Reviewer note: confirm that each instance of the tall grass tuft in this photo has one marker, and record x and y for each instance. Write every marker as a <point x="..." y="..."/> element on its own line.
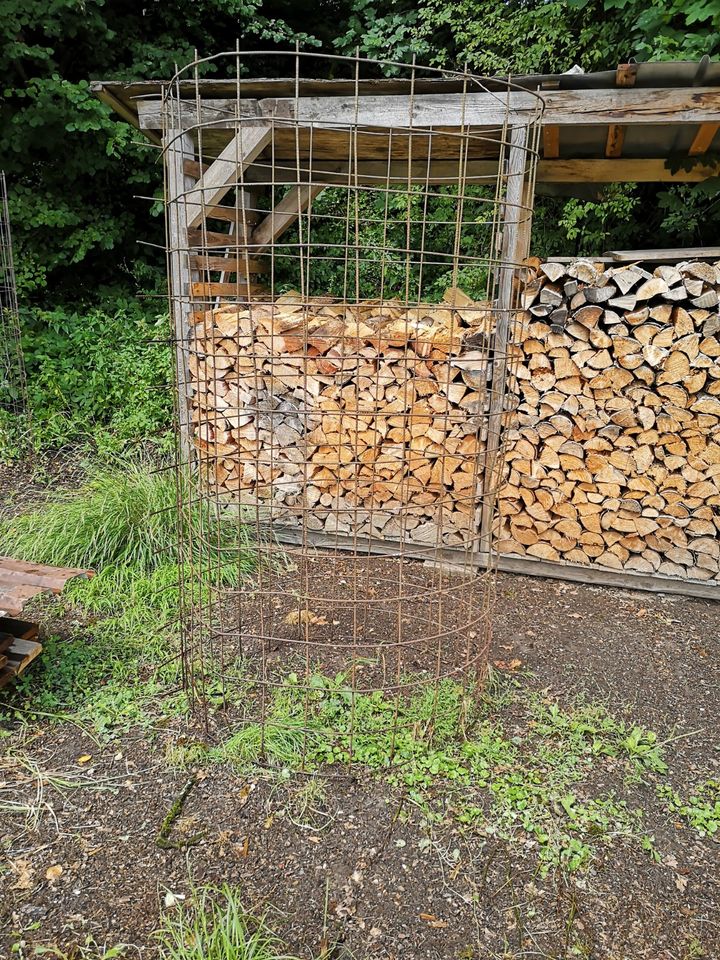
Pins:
<point x="125" y="518"/>
<point x="215" y="927"/>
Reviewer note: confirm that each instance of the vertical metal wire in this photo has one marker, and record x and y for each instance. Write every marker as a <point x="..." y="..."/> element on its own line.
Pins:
<point x="13" y="384"/>
<point x="347" y="394"/>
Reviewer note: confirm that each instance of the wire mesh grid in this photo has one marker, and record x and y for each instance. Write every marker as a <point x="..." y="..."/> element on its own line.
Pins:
<point x="344" y="266"/>
<point x="12" y="369"/>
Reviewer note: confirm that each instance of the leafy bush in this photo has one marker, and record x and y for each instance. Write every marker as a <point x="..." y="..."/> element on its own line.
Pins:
<point x="98" y="376"/>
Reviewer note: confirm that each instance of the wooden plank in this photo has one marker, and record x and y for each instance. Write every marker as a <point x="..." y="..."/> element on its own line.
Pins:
<point x="156" y="114"/>
<point x="551" y="142"/>
<point x="209" y="239"/>
<point x="126" y="112"/>
<point x="19" y="628"/>
<point x="209" y="291"/>
<point x="230" y="264"/>
<point x="520" y="566"/>
<point x="620" y="171"/>
<point x="703" y="139"/>
<point x="21" y="653"/>
<point x="626" y="74"/>
<point x="178" y="148"/>
<point x="234" y="215"/>
<point x="510" y="255"/>
<point x="284" y="214"/>
<point x="675" y="105"/>
<point x="659" y="256"/>
<point x="624" y="77"/>
<point x="624" y="579"/>
<point x="379" y="173"/>
<point x="615" y="140"/>
<point x="247" y="144"/>
<point x="194" y="169"/>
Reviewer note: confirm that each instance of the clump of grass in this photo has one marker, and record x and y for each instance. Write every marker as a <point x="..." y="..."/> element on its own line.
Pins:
<point x="125" y="522"/>
<point x="214" y="926"/>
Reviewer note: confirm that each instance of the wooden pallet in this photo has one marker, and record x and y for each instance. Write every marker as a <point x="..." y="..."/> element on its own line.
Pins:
<point x="18" y="647"/>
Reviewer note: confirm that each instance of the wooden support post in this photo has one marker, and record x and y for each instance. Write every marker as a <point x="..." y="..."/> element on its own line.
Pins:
<point x="516" y="232"/>
<point x="615" y="140"/>
<point x="551" y="142"/>
<point x="178" y="148"/>
<point x="624" y="77"/>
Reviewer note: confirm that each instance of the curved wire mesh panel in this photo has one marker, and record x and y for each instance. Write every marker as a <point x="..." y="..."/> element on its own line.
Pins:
<point x="344" y="263"/>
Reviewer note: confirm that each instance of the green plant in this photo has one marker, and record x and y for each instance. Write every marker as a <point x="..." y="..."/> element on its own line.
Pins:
<point x="97" y="377"/>
<point x="701" y="810"/>
<point x="214" y="926"/>
<point x="89" y="950"/>
<point x="532" y="784"/>
<point x="124" y="522"/>
<point x="122" y="650"/>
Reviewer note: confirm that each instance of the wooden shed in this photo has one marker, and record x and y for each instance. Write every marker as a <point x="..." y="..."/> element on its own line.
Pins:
<point x="276" y="144"/>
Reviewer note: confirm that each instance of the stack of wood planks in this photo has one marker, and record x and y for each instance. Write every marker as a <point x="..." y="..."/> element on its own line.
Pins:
<point x="614" y="458"/>
<point x="364" y="420"/>
<point x="18" y="647"/>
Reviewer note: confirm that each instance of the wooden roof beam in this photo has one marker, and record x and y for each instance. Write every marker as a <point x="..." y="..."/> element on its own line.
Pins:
<point x="376" y="173"/>
<point x="284" y="214"/>
<point x="676" y="105"/>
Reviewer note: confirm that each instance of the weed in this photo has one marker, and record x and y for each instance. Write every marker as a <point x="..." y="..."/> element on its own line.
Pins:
<point x="214" y="926"/>
<point x="88" y="950"/>
<point x="701" y="810"/>
<point x="531" y="785"/>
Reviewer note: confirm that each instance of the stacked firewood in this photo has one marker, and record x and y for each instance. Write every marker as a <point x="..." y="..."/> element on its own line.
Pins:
<point x="614" y="458"/>
<point x="363" y="420"/>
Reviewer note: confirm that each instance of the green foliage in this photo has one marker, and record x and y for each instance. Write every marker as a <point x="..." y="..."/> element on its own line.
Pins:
<point x="701" y="810"/>
<point x="97" y="377"/>
<point x="214" y="926"/>
<point x="89" y="950"/>
<point x="75" y="171"/>
<point x="381" y="226"/>
<point x="534" y="784"/>
<point x="122" y="648"/>
<point x="665" y="29"/>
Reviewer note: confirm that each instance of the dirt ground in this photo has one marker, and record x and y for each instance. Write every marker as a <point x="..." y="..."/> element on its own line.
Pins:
<point x="362" y="874"/>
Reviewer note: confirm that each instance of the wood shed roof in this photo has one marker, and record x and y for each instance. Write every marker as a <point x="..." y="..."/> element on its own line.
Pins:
<point x="640" y="122"/>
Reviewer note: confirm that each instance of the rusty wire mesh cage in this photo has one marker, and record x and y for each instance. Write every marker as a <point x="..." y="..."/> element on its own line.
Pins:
<point x="344" y="259"/>
<point x="13" y="391"/>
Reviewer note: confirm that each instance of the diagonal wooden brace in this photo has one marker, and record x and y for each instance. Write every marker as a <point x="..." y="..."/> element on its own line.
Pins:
<point x="247" y="144"/>
<point x="285" y="213"/>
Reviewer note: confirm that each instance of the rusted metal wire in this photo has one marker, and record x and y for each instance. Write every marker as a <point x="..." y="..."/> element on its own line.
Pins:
<point x="13" y="388"/>
<point x="344" y="279"/>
